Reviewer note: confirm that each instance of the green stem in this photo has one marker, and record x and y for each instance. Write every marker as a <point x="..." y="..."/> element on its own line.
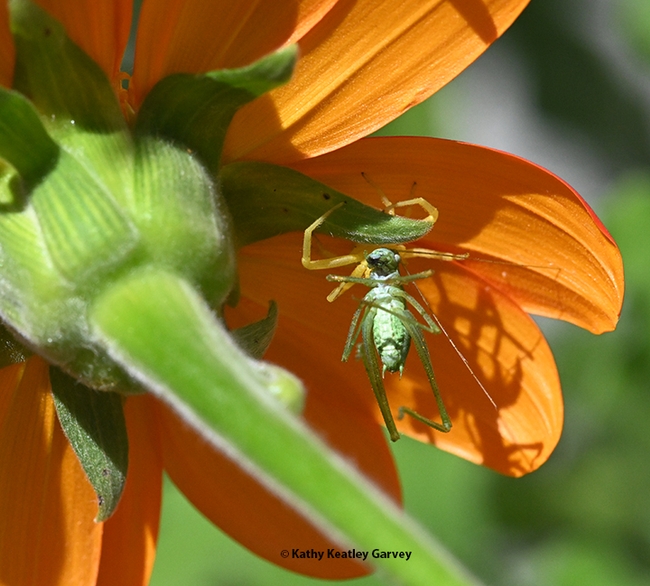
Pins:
<point x="156" y="326"/>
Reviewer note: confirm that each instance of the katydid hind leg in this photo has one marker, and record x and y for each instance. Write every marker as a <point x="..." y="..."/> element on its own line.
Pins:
<point x="437" y="426"/>
<point x="371" y="364"/>
<point x="423" y="352"/>
<point x="354" y="331"/>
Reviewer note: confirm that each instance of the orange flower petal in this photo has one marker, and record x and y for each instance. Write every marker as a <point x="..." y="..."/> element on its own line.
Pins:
<point x="363" y="65"/>
<point x="6" y="48"/>
<point x="47" y="505"/>
<point x="195" y="36"/>
<point x="502" y="344"/>
<point x="251" y="514"/>
<point x="100" y="27"/>
<point x="512" y="421"/>
<point x="130" y="535"/>
<point x="546" y="248"/>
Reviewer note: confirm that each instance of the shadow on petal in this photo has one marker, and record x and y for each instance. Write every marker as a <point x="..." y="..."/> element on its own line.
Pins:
<point x="6" y="48"/>
<point x="478" y="17"/>
<point x="512" y="420"/>
<point x="100" y="27"/>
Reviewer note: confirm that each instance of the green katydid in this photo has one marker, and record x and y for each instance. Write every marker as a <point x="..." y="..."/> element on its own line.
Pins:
<point x="383" y="319"/>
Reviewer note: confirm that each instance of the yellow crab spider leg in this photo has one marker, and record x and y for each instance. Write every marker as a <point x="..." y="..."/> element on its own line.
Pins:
<point x="326" y="263"/>
<point x="359" y="253"/>
<point x="356" y="256"/>
<point x="361" y="270"/>
<point x="419" y="201"/>
<point x="389" y="207"/>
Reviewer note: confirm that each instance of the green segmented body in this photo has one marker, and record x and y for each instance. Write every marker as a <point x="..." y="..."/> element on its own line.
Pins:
<point x="391" y="338"/>
<point x="386" y="327"/>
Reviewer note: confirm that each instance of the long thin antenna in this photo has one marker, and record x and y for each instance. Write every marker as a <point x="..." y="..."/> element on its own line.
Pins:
<point x="453" y="345"/>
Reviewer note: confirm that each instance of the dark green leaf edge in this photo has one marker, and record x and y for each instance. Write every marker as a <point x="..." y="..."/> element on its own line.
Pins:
<point x="194" y="111"/>
<point x="93" y="422"/>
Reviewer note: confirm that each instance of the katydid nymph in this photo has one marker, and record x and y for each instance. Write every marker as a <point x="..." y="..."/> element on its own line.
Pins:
<point x="383" y="319"/>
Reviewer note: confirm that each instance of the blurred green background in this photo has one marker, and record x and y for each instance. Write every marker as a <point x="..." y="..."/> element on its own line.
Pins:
<point x="568" y="87"/>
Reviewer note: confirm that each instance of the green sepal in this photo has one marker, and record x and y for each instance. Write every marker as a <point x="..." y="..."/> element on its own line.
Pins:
<point x="64" y="83"/>
<point x="266" y="200"/>
<point x="194" y="111"/>
<point x="80" y="230"/>
<point x="85" y="230"/>
<point x="93" y="422"/>
<point x="24" y="143"/>
<point x="255" y="338"/>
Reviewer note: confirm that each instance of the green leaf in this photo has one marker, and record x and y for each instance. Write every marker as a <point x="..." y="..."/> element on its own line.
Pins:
<point x="24" y="142"/>
<point x="255" y="338"/>
<point x="266" y="200"/>
<point x="93" y="422"/>
<point x="195" y="110"/>
<point x="64" y="84"/>
<point x="158" y="328"/>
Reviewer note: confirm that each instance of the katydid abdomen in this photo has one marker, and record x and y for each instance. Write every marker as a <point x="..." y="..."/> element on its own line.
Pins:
<point x="390" y="336"/>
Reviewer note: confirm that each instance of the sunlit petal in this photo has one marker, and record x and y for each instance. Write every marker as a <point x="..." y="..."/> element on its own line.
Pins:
<point x="195" y="36"/>
<point x="130" y="535"/>
<point x="363" y="65"/>
<point x="512" y="420"/>
<point x="47" y="505"/>
<point x="100" y="27"/>
<point x="553" y="256"/>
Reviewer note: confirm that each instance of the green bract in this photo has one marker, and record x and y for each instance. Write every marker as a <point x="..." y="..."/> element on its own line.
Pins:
<point x="266" y="200"/>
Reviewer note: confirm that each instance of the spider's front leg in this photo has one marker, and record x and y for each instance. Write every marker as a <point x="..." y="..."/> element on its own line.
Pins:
<point x="325" y="263"/>
<point x="356" y="256"/>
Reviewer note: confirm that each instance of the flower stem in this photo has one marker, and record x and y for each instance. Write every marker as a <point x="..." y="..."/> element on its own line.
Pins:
<point x="160" y="330"/>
